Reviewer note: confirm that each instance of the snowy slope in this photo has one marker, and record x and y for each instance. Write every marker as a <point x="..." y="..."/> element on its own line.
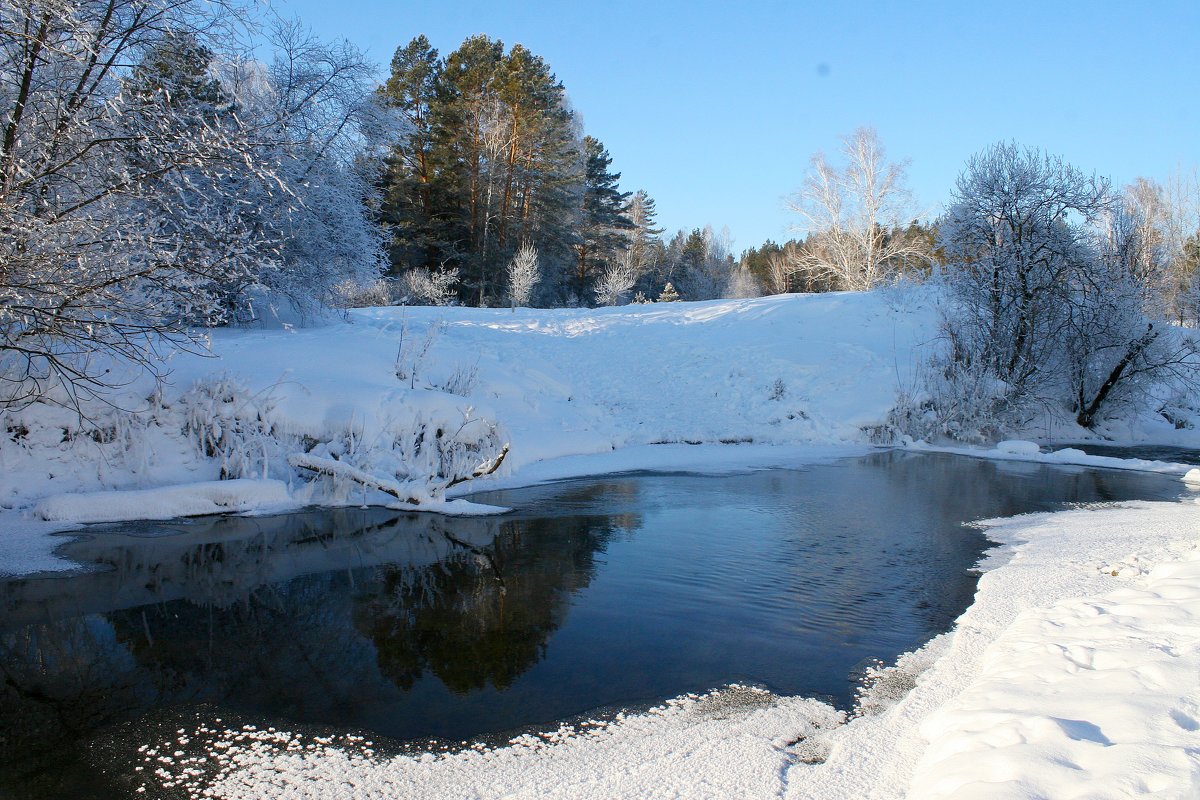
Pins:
<point x="810" y="370"/>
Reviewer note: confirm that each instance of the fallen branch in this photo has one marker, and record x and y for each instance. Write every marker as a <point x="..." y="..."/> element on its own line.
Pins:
<point x="486" y="468"/>
<point x="340" y="469"/>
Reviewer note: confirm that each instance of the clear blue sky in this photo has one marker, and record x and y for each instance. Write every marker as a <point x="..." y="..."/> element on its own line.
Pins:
<point x="714" y="108"/>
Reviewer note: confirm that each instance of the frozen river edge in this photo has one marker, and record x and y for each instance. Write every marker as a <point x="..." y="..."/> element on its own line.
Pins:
<point x="1073" y="673"/>
<point x="1062" y="679"/>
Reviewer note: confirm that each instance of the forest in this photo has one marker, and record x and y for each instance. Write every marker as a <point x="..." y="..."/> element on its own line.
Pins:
<point x="160" y="176"/>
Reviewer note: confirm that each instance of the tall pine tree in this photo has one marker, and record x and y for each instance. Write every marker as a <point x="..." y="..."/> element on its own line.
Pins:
<point x="604" y="225"/>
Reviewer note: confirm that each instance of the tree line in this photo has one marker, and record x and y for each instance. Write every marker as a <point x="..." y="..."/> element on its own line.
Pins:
<point x="159" y="175"/>
<point x="493" y="162"/>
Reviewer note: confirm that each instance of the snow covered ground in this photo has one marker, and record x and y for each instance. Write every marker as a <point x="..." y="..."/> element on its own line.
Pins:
<point x="573" y="392"/>
<point x="1074" y="674"/>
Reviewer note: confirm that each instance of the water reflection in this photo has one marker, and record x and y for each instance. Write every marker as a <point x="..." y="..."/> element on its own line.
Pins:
<point x="619" y="590"/>
<point x="484" y="620"/>
<point x="327" y="617"/>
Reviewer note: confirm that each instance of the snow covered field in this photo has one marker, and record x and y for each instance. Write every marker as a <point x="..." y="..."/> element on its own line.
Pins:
<point x="573" y="391"/>
<point x="1076" y="673"/>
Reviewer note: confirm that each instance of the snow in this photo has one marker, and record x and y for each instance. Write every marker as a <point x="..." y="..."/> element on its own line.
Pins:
<point x="1016" y="450"/>
<point x="1072" y="674"/>
<point x="1018" y="447"/>
<point x="573" y="391"/>
<point x="186" y="500"/>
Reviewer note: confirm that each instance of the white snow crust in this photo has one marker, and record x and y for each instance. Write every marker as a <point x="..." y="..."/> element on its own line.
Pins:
<point x="185" y="500"/>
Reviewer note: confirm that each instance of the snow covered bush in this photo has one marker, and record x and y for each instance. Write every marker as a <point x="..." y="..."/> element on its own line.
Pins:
<point x="430" y="287"/>
<point x="360" y="294"/>
<point x="226" y="422"/>
<point x="435" y="443"/>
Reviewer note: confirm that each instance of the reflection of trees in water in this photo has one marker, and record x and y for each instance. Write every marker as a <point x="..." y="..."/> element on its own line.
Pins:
<point x="249" y="622"/>
<point x="483" y="617"/>
<point x="60" y="680"/>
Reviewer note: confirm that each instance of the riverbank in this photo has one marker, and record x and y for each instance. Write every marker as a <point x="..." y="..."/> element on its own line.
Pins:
<point x="1074" y="666"/>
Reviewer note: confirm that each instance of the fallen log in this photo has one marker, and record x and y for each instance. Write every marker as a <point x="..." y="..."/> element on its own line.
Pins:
<point x="340" y="469"/>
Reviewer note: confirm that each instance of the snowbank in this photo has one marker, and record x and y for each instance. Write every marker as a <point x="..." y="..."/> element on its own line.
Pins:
<point x="1071" y="675"/>
<point x="1019" y="450"/>
<point x="187" y="500"/>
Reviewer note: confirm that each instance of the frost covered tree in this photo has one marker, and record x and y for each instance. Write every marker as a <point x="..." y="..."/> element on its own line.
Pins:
<point x="645" y="243"/>
<point x="523" y="275"/>
<point x="1047" y="305"/>
<point x="741" y="285"/>
<point x="327" y="128"/>
<point x="105" y="190"/>
<point x="604" y="226"/>
<point x="140" y="191"/>
<point x="617" y="280"/>
<point x="850" y="215"/>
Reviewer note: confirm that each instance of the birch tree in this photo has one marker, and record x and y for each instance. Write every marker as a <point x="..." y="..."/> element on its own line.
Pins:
<point x="847" y="214"/>
<point x="523" y="275"/>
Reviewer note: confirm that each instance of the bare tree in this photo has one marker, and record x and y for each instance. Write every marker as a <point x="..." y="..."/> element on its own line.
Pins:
<point x="849" y="213"/>
<point x="523" y="275"/>
<point x="782" y="267"/>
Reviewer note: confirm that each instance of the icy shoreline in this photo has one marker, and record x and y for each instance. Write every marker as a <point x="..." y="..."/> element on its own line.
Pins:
<point x="1072" y="674"/>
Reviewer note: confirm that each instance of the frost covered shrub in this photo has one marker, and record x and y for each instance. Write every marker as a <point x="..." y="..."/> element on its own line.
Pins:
<point x="227" y="422"/>
<point x="462" y="380"/>
<point x="430" y="287"/>
<point x="358" y="294"/>
<point x="415" y="457"/>
<point x="444" y="448"/>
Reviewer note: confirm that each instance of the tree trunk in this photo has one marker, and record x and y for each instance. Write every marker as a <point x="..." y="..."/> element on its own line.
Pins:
<point x="1087" y="415"/>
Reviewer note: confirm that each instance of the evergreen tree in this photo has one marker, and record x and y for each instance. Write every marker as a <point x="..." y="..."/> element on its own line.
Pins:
<point x="466" y="126"/>
<point x="645" y="242"/>
<point x="604" y="225"/>
<point x="408" y="207"/>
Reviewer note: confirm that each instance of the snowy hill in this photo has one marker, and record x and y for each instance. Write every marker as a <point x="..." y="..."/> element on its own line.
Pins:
<point x="788" y="369"/>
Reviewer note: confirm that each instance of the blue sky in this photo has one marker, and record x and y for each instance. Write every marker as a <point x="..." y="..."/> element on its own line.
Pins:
<point x="715" y="108"/>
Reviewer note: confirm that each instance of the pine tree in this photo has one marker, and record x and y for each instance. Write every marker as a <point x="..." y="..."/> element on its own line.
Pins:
<point x="645" y="243"/>
<point x="604" y="225"/>
<point x="408" y="211"/>
<point x="668" y="295"/>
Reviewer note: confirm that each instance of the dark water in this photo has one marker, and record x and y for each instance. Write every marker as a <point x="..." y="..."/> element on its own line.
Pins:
<point x="1150" y="452"/>
<point x="609" y="592"/>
